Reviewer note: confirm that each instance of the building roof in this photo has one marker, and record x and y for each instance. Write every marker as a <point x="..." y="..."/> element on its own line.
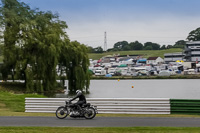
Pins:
<point x="123" y="65"/>
<point x="152" y="58"/>
<point x="176" y="53"/>
<point x="124" y="58"/>
<point x="193" y="42"/>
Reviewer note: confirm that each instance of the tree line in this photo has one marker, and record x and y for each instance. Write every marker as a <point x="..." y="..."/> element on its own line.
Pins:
<point x="125" y="46"/>
<point x="34" y="44"/>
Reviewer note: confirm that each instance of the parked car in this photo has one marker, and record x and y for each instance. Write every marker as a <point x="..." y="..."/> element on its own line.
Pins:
<point x="117" y="74"/>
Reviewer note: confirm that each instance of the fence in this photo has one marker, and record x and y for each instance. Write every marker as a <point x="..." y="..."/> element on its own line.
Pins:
<point x="185" y="106"/>
<point x="105" y="105"/>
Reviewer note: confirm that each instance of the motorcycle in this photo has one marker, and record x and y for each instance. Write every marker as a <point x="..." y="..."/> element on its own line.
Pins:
<point x="86" y="110"/>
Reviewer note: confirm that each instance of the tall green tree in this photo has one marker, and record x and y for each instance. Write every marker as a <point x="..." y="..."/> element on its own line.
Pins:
<point x="43" y="37"/>
<point x="151" y="46"/>
<point x="120" y="45"/>
<point x="180" y="44"/>
<point x="10" y="21"/>
<point x="169" y="46"/>
<point x="90" y="49"/>
<point x="136" y="45"/>
<point x="75" y="59"/>
<point x="163" y="47"/>
<point x="98" y="50"/>
<point x="194" y="35"/>
<point x="34" y="42"/>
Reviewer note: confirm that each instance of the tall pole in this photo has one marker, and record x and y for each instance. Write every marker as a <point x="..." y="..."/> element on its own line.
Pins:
<point x="105" y="41"/>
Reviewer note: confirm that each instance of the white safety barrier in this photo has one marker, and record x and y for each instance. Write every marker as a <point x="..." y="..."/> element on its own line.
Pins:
<point x="105" y="105"/>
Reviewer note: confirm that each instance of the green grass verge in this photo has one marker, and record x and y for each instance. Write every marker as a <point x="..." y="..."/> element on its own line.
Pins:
<point x="99" y="130"/>
<point x="13" y="99"/>
<point x="15" y="102"/>
<point x="145" y="53"/>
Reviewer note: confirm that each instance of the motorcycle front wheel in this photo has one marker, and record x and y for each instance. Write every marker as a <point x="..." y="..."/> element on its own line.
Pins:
<point x="89" y="113"/>
<point x="61" y="113"/>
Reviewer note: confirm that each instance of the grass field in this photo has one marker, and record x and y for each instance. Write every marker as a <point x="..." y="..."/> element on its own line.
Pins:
<point x="144" y="53"/>
<point x="99" y="130"/>
<point x="12" y="98"/>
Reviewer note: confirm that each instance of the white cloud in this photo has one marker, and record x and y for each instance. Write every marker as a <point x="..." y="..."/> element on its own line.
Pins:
<point x="163" y="30"/>
<point x="163" y="22"/>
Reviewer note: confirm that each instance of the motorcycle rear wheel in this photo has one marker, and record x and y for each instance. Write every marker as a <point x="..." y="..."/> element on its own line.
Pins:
<point x="89" y="113"/>
<point x="61" y="113"/>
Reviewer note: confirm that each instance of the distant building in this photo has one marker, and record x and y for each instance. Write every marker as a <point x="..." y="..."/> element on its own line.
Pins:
<point x="154" y="60"/>
<point x="192" y="51"/>
<point x="172" y="57"/>
<point x="108" y="59"/>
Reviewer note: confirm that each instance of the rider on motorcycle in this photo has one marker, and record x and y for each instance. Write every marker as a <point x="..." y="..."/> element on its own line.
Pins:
<point x="77" y="109"/>
<point x="82" y="99"/>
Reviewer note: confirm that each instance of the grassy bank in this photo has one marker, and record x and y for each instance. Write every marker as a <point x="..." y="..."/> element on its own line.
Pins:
<point x="145" y="53"/>
<point x="99" y="130"/>
<point x="12" y="97"/>
<point x="14" y="102"/>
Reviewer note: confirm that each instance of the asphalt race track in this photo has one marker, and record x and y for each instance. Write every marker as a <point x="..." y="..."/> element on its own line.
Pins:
<point x="99" y="122"/>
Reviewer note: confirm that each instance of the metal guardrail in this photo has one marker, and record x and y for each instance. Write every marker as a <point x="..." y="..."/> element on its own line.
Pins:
<point x="105" y="105"/>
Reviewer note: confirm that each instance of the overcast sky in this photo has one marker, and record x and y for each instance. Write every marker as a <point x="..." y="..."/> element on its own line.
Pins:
<point x="159" y="21"/>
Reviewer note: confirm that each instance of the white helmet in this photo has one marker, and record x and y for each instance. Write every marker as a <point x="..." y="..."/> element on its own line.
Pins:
<point x="78" y="92"/>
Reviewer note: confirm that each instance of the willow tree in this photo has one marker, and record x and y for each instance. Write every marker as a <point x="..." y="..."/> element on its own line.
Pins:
<point x="74" y="59"/>
<point x="43" y="37"/>
<point x="35" y="42"/>
<point x="10" y="20"/>
<point x="32" y="43"/>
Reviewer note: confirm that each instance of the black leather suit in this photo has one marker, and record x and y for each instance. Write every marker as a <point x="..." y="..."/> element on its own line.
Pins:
<point x="81" y="101"/>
